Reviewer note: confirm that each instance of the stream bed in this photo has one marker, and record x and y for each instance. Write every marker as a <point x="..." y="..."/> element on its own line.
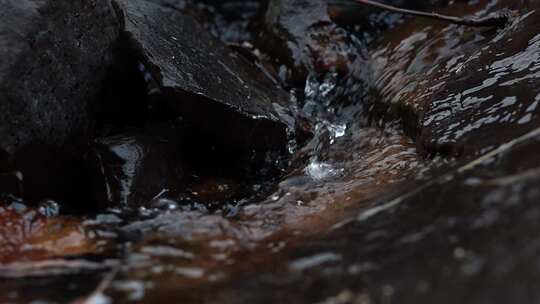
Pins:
<point x="415" y="180"/>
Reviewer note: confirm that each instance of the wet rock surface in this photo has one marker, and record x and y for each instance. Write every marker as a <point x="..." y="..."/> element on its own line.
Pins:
<point x="304" y="38"/>
<point x="28" y="235"/>
<point x="502" y="93"/>
<point x="372" y="22"/>
<point x="228" y="20"/>
<point x="225" y="97"/>
<point x="468" y="236"/>
<point x="132" y="169"/>
<point x="54" y="54"/>
<point x="417" y="184"/>
<point x="41" y="248"/>
<point x="449" y="98"/>
<point x="316" y="37"/>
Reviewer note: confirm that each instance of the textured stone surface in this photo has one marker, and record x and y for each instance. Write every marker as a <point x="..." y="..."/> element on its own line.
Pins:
<point x="302" y="35"/>
<point x="452" y="99"/>
<point x="226" y="98"/>
<point x="132" y="168"/>
<point x="466" y="237"/>
<point x="365" y="221"/>
<point x="495" y="91"/>
<point x="53" y="57"/>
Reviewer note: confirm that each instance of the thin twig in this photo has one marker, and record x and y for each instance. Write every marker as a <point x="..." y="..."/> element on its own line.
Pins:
<point x="101" y="288"/>
<point x="496" y="20"/>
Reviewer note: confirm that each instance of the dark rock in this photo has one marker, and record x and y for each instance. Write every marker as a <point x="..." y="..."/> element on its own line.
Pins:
<point x="132" y="168"/>
<point x="227" y="100"/>
<point x="52" y="172"/>
<point x="468" y="236"/>
<point x="54" y="55"/>
<point x="303" y="37"/>
<point x="309" y="37"/>
<point x="495" y="91"/>
<point x="228" y="20"/>
<point x="12" y="183"/>
<point x="451" y="86"/>
<point x="409" y="63"/>
<point x="124" y="100"/>
<point x="53" y="58"/>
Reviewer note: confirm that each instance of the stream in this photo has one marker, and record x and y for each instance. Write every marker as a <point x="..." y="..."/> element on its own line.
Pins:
<point x="418" y="183"/>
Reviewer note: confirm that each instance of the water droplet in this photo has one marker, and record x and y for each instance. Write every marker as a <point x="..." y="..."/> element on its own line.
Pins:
<point x="336" y="131"/>
<point x="49" y="208"/>
<point x="319" y="171"/>
<point x="165" y="204"/>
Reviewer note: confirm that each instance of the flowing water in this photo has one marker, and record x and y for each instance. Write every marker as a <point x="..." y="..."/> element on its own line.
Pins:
<point x="363" y="152"/>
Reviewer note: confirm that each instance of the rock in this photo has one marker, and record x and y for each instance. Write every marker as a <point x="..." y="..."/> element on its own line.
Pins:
<point x="226" y="99"/>
<point x="468" y="236"/>
<point x="132" y="168"/>
<point x="52" y="172"/>
<point x="124" y="101"/>
<point x="227" y="20"/>
<point x="408" y="63"/>
<point x="495" y="92"/>
<point x="27" y="236"/>
<point x="301" y="35"/>
<point x="459" y="101"/>
<point x="54" y="54"/>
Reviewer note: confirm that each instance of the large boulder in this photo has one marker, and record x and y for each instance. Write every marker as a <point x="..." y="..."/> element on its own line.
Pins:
<point x="225" y="98"/>
<point x="53" y="56"/>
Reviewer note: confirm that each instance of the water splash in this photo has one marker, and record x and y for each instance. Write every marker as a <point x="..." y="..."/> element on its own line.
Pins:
<point x="318" y="94"/>
<point x="320" y="171"/>
<point x="321" y="93"/>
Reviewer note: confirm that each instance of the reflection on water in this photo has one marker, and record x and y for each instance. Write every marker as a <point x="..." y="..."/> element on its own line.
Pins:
<point x="347" y="163"/>
<point x="424" y="74"/>
<point x="500" y="93"/>
<point x="411" y="64"/>
<point x="448" y="84"/>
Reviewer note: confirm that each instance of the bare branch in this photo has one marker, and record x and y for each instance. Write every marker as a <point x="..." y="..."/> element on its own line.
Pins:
<point x="496" y="20"/>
